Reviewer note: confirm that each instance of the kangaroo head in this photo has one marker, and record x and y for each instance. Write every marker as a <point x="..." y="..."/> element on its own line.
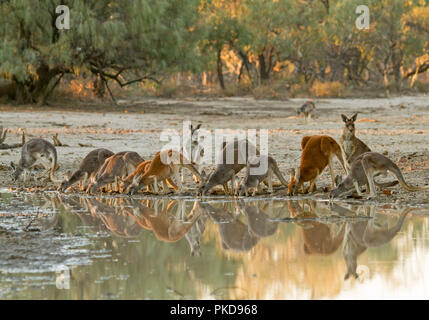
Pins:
<point x="349" y="122"/>
<point x="343" y="188"/>
<point x="293" y="183"/>
<point x="16" y="171"/>
<point x="311" y="103"/>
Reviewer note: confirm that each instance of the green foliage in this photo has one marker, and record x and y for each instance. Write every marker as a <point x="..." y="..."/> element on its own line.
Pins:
<point x="131" y="41"/>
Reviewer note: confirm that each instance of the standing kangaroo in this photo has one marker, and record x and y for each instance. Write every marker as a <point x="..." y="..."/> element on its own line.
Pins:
<point x="307" y="109"/>
<point x="87" y="168"/>
<point x="317" y="153"/>
<point x="362" y="172"/>
<point x="33" y="152"/>
<point x="352" y="147"/>
<point x="117" y="166"/>
<point x="226" y="169"/>
<point x="253" y="181"/>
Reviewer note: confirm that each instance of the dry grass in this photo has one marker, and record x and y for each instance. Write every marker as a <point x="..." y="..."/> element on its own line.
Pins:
<point x="327" y="89"/>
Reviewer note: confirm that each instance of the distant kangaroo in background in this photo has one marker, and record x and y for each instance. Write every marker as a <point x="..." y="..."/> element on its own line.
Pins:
<point x="307" y="109"/>
<point x="33" y="152"/>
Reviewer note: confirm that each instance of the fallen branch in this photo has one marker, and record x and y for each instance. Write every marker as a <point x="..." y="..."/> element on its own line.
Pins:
<point x="4" y="146"/>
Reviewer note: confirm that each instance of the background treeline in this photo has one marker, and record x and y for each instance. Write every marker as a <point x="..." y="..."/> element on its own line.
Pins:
<point x="308" y="47"/>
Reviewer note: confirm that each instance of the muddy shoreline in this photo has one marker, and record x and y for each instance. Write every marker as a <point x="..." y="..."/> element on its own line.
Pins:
<point x="397" y="127"/>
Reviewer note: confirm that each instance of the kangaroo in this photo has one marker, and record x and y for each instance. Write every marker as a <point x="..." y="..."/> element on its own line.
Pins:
<point x="253" y="181"/>
<point x="196" y="152"/>
<point x="159" y="171"/>
<point x="366" y="234"/>
<point x="225" y="170"/>
<point x="142" y="167"/>
<point x="352" y="146"/>
<point x="258" y="221"/>
<point x="307" y="109"/>
<point x="319" y="238"/>
<point x="317" y="153"/>
<point x="117" y="166"/>
<point x="193" y="236"/>
<point x="362" y="173"/>
<point x="87" y="168"/>
<point x="33" y="152"/>
<point x="110" y="213"/>
<point x="163" y="223"/>
<point x="235" y="235"/>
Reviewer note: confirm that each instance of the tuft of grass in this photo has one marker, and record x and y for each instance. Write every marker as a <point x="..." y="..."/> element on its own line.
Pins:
<point x="327" y="89"/>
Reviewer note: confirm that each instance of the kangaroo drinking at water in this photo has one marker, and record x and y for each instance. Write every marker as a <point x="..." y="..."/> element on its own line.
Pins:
<point x="33" y="152"/>
<point x="253" y="181"/>
<point x="87" y="169"/>
<point x="117" y="166"/>
<point x="317" y="153"/>
<point x="159" y="171"/>
<point x="362" y="172"/>
<point x="241" y="150"/>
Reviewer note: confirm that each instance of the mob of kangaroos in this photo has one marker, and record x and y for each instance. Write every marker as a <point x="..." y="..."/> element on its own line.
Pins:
<point x="102" y="170"/>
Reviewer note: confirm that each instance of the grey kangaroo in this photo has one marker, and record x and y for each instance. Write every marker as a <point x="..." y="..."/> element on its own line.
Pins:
<point x="253" y="181"/>
<point x="352" y="146"/>
<point x="87" y="169"/>
<point x="33" y="152"/>
<point x="363" y="170"/>
<point x="226" y="169"/>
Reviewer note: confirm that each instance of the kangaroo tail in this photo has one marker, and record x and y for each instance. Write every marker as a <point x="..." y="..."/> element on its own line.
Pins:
<point x="279" y="175"/>
<point x="386" y="184"/>
<point x="192" y="168"/>
<point x="54" y="167"/>
<point x="395" y="170"/>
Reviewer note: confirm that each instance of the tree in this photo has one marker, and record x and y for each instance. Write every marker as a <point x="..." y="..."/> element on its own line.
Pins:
<point x="122" y="41"/>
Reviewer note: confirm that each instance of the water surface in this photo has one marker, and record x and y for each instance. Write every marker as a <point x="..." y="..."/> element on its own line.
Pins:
<point x="77" y="247"/>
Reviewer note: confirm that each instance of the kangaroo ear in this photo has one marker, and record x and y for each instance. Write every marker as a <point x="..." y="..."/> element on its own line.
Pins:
<point x="354" y="117"/>
<point x="198" y="126"/>
<point x="344" y="118"/>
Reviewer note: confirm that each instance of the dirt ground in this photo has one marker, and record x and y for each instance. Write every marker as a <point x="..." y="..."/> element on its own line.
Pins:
<point x="397" y="127"/>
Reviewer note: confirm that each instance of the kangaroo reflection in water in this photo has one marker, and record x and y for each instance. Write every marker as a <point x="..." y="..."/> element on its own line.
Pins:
<point x="236" y="234"/>
<point x="362" y="235"/>
<point x="240" y="225"/>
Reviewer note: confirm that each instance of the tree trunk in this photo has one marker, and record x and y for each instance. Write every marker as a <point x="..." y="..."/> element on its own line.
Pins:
<point x="264" y="71"/>
<point x="219" y="69"/>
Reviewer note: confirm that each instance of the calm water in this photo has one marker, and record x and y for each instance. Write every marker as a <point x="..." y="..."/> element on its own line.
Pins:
<point x="78" y="247"/>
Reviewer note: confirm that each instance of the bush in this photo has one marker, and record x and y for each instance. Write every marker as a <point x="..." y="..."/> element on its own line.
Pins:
<point x="327" y="89"/>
